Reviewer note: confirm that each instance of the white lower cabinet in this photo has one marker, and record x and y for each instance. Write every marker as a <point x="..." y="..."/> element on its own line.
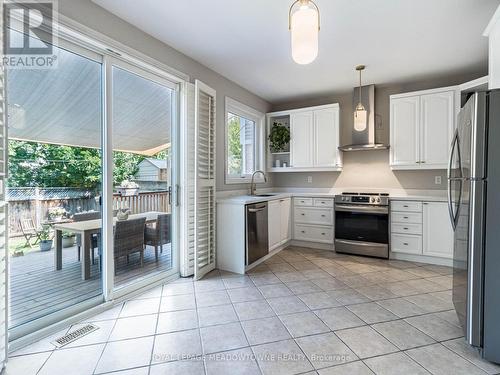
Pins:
<point x="279" y="222"/>
<point x="273" y="220"/>
<point x="421" y="228"/>
<point x="438" y="232"/>
<point x="313" y="220"/>
<point x="286" y="219"/>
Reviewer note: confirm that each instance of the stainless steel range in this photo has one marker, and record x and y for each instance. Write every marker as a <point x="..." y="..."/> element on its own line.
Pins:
<point x="362" y="224"/>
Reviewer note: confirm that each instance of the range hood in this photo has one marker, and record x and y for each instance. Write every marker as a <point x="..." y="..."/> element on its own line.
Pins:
<point x="364" y="140"/>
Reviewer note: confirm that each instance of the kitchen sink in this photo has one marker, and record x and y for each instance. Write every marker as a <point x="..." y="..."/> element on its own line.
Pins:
<point x="264" y="195"/>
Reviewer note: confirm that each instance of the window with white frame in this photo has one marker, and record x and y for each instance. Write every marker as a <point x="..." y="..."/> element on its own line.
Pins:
<point x="244" y="141"/>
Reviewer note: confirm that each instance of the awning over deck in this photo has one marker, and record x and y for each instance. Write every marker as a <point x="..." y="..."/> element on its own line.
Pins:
<point x="63" y="106"/>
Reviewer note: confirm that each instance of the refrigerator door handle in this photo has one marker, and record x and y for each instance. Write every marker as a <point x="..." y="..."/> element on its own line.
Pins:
<point x="453" y="215"/>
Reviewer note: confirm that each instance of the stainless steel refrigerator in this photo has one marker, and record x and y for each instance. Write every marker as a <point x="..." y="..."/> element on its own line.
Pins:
<point x="474" y="204"/>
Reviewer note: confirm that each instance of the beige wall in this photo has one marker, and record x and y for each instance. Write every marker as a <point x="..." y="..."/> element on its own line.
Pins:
<point x="98" y="19"/>
<point x="369" y="168"/>
<point x="364" y="169"/>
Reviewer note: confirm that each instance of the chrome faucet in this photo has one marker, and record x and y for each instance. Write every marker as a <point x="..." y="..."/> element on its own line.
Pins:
<point x="252" y="184"/>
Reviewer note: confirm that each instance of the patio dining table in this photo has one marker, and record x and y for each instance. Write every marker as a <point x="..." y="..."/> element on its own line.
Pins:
<point x="86" y="229"/>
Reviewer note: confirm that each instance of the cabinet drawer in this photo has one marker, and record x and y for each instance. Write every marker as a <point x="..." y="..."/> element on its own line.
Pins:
<point x="303" y="201"/>
<point x="322" y="216"/>
<point x="313" y="233"/>
<point x="406" y="206"/>
<point x="406" y="217"/>
<point x="406" y="243"/>
<point x="406" y="228"/>
<point x="323" y="202"/>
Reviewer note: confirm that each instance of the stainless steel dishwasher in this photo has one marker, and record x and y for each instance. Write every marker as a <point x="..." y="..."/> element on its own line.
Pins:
<point x="257" y="244"/>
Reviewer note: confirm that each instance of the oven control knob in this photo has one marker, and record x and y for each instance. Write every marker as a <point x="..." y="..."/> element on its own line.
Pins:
<point x="378" y="200"/>
<point x="372" y="200"/>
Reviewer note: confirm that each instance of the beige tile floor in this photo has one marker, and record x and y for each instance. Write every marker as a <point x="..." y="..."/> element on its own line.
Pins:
<point x="302" y="312"/>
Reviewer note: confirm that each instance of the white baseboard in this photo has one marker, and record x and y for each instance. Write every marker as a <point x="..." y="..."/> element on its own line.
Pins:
<point x="422" y="259"/>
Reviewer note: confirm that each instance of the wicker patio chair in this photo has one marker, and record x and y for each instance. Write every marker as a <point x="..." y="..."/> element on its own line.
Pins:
<point x="159" y="235"/>
<point x="30" y="231"/>
<point x="129" y="238"/>
<point x="96" y="238"/>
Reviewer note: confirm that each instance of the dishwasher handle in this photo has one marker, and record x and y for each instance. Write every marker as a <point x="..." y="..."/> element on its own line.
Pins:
<point x="258" y="209"/>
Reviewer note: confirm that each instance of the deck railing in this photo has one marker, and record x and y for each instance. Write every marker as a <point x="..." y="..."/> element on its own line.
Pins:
<point x="38" y="209"/>
<point x="143" y="202"/>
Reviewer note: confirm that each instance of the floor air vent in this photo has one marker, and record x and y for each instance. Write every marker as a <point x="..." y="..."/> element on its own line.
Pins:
<point x="75" y="335"/>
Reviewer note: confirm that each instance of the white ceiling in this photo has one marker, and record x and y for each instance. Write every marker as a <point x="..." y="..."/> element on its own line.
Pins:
<point x="247" y="41"/>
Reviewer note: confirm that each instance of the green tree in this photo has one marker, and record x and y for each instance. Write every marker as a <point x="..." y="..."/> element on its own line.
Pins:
<point x="235" y="156"/>
<point x="46" y="165"/>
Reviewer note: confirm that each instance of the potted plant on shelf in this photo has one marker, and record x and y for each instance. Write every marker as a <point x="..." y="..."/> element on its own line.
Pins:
<point x="45" y="240"/>
<point x="279" y="138"/>
<point x="68" y="239"/>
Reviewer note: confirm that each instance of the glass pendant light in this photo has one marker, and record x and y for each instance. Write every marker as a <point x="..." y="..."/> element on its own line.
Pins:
<point x="303" y="23"/>
<point x="360" y="113"/>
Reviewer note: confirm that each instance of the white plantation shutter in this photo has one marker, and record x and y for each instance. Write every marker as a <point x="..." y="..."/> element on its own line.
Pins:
<point x="188" y="143"/>
<point x="3" y="216"/>
<point x="204" y="181"/>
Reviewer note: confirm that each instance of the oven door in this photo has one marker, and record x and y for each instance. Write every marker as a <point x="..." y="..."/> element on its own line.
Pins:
<point x="362" y="223"/>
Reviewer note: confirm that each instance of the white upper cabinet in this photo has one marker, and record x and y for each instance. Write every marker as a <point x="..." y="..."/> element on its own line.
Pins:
<point x="326" y="137"/>
<point x="437" y="231"/>
<point x="422" y="125"/>
<point x="301" y="138"/>
<point x="404" y="131"/>
<point x="437" y="124"/>
<point x="314" y="140"/>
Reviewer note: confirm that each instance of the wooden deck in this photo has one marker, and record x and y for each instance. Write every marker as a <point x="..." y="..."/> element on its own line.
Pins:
<point x="38" y="289"/>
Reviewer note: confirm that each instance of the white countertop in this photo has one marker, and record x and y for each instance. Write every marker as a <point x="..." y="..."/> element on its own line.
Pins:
<point x="238" y="198"/>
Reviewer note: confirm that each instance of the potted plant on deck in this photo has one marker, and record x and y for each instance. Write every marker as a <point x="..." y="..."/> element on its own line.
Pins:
<point x="56" y="213"/>
<point x="128" y="188"/>
<point x="68" y="239"/>
<point x="45" y="240"/>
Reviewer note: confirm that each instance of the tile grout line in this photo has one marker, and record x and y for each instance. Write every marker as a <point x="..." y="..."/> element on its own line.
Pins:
<point x="106" y="343"/>
<point x="297" y="295"/>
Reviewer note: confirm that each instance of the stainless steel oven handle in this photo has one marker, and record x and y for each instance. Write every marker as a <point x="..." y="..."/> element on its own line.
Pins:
<point x="362" y="209"/>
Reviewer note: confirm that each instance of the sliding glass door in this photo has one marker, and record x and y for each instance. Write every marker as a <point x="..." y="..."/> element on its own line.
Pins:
<point x="53" y="186"/>
<point x="143" y="113"/>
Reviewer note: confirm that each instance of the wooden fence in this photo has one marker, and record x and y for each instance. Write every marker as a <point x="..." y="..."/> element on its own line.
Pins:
<point x="38" y="209"/>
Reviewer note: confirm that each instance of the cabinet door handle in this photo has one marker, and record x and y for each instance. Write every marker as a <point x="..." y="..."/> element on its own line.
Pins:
<point x="405" y="217"/>
<point x="406" y="243"/>
<point x="303" y="214"/>
<point x="405" y="206"/>
<point x="405" y="228"/>
<point x="322" y="234"/>
<point x="303" y="231"/>
<point x="323" y="215"/>
<point x="423" y="161"/>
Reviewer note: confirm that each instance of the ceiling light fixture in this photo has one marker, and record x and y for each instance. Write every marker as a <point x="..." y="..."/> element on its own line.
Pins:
<point x="303" y="23"/>
<point x="360" y="111"/>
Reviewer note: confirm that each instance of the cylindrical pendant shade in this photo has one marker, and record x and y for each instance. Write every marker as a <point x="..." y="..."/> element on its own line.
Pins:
<point x="304" y="29"/>
<point x="360" y="120"/>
